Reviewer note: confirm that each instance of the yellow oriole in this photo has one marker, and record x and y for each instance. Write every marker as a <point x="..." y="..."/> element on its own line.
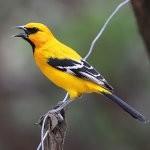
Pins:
<point x="63" y="66"/>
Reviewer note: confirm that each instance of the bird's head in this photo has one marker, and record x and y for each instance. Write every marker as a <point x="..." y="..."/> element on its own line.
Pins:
<point x="35" y="33"/>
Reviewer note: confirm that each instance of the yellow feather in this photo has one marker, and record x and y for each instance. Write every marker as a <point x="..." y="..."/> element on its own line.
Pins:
<point x="47" y="46"/>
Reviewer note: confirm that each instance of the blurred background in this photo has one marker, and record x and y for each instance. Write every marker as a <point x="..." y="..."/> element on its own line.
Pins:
<point x="93" y="121"/>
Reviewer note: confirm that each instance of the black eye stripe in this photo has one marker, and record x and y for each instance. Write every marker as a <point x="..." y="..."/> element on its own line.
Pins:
<point x="32" y="30"/>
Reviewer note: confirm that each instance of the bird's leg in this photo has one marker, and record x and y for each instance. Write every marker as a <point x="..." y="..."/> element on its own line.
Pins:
<point x="58" y="109"/>
<point x="61" y="105"/>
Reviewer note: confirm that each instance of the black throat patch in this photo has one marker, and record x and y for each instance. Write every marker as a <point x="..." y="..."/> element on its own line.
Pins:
<point x="31" y="43"/>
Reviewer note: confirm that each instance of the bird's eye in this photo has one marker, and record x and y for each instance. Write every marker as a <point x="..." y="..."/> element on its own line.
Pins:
<point x="32" y="30"/>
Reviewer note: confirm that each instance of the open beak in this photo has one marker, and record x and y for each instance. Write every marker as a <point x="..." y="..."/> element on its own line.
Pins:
<point x="22" y="35"/>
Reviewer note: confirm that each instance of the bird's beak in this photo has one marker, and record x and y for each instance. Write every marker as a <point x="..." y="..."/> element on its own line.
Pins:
<point x="21" y="27"/>
<point x="22" y="35"/>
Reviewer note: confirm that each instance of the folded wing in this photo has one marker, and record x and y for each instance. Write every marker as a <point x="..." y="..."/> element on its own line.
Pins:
<point x="80" y="69"/>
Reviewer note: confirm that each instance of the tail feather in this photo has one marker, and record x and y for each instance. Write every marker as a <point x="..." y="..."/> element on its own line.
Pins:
<point x="126" y="107"/>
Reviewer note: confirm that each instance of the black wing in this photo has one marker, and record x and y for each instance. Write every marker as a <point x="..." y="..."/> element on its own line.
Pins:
<point x="81" y="69"/>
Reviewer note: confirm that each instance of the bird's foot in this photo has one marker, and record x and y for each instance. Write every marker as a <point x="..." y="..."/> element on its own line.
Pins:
<point x="58" y="111"/>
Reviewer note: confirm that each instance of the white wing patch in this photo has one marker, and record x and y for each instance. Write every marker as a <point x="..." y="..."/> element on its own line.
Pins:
<point x="93" y="78"/>
<point x="74" y="66"/>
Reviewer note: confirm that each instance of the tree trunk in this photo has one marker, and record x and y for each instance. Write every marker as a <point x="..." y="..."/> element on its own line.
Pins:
<point x="142" y="13"/>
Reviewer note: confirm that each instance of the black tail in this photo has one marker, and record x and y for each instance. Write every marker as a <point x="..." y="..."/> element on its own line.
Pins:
<point x="126" y="107"/>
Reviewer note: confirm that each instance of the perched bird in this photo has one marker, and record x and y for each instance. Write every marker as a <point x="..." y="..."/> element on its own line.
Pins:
<point x="67" y="69"/>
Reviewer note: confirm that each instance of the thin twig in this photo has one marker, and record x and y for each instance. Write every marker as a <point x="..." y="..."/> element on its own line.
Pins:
<point x="65" y="97"/>
<point x="103" y="28"/>
<point x="45" y="135"/>
<point x="41" y="145"/>
<point x="42" y="132"/>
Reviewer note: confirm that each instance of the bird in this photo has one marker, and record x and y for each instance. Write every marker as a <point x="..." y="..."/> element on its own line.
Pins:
<point x="67" y="69"/>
